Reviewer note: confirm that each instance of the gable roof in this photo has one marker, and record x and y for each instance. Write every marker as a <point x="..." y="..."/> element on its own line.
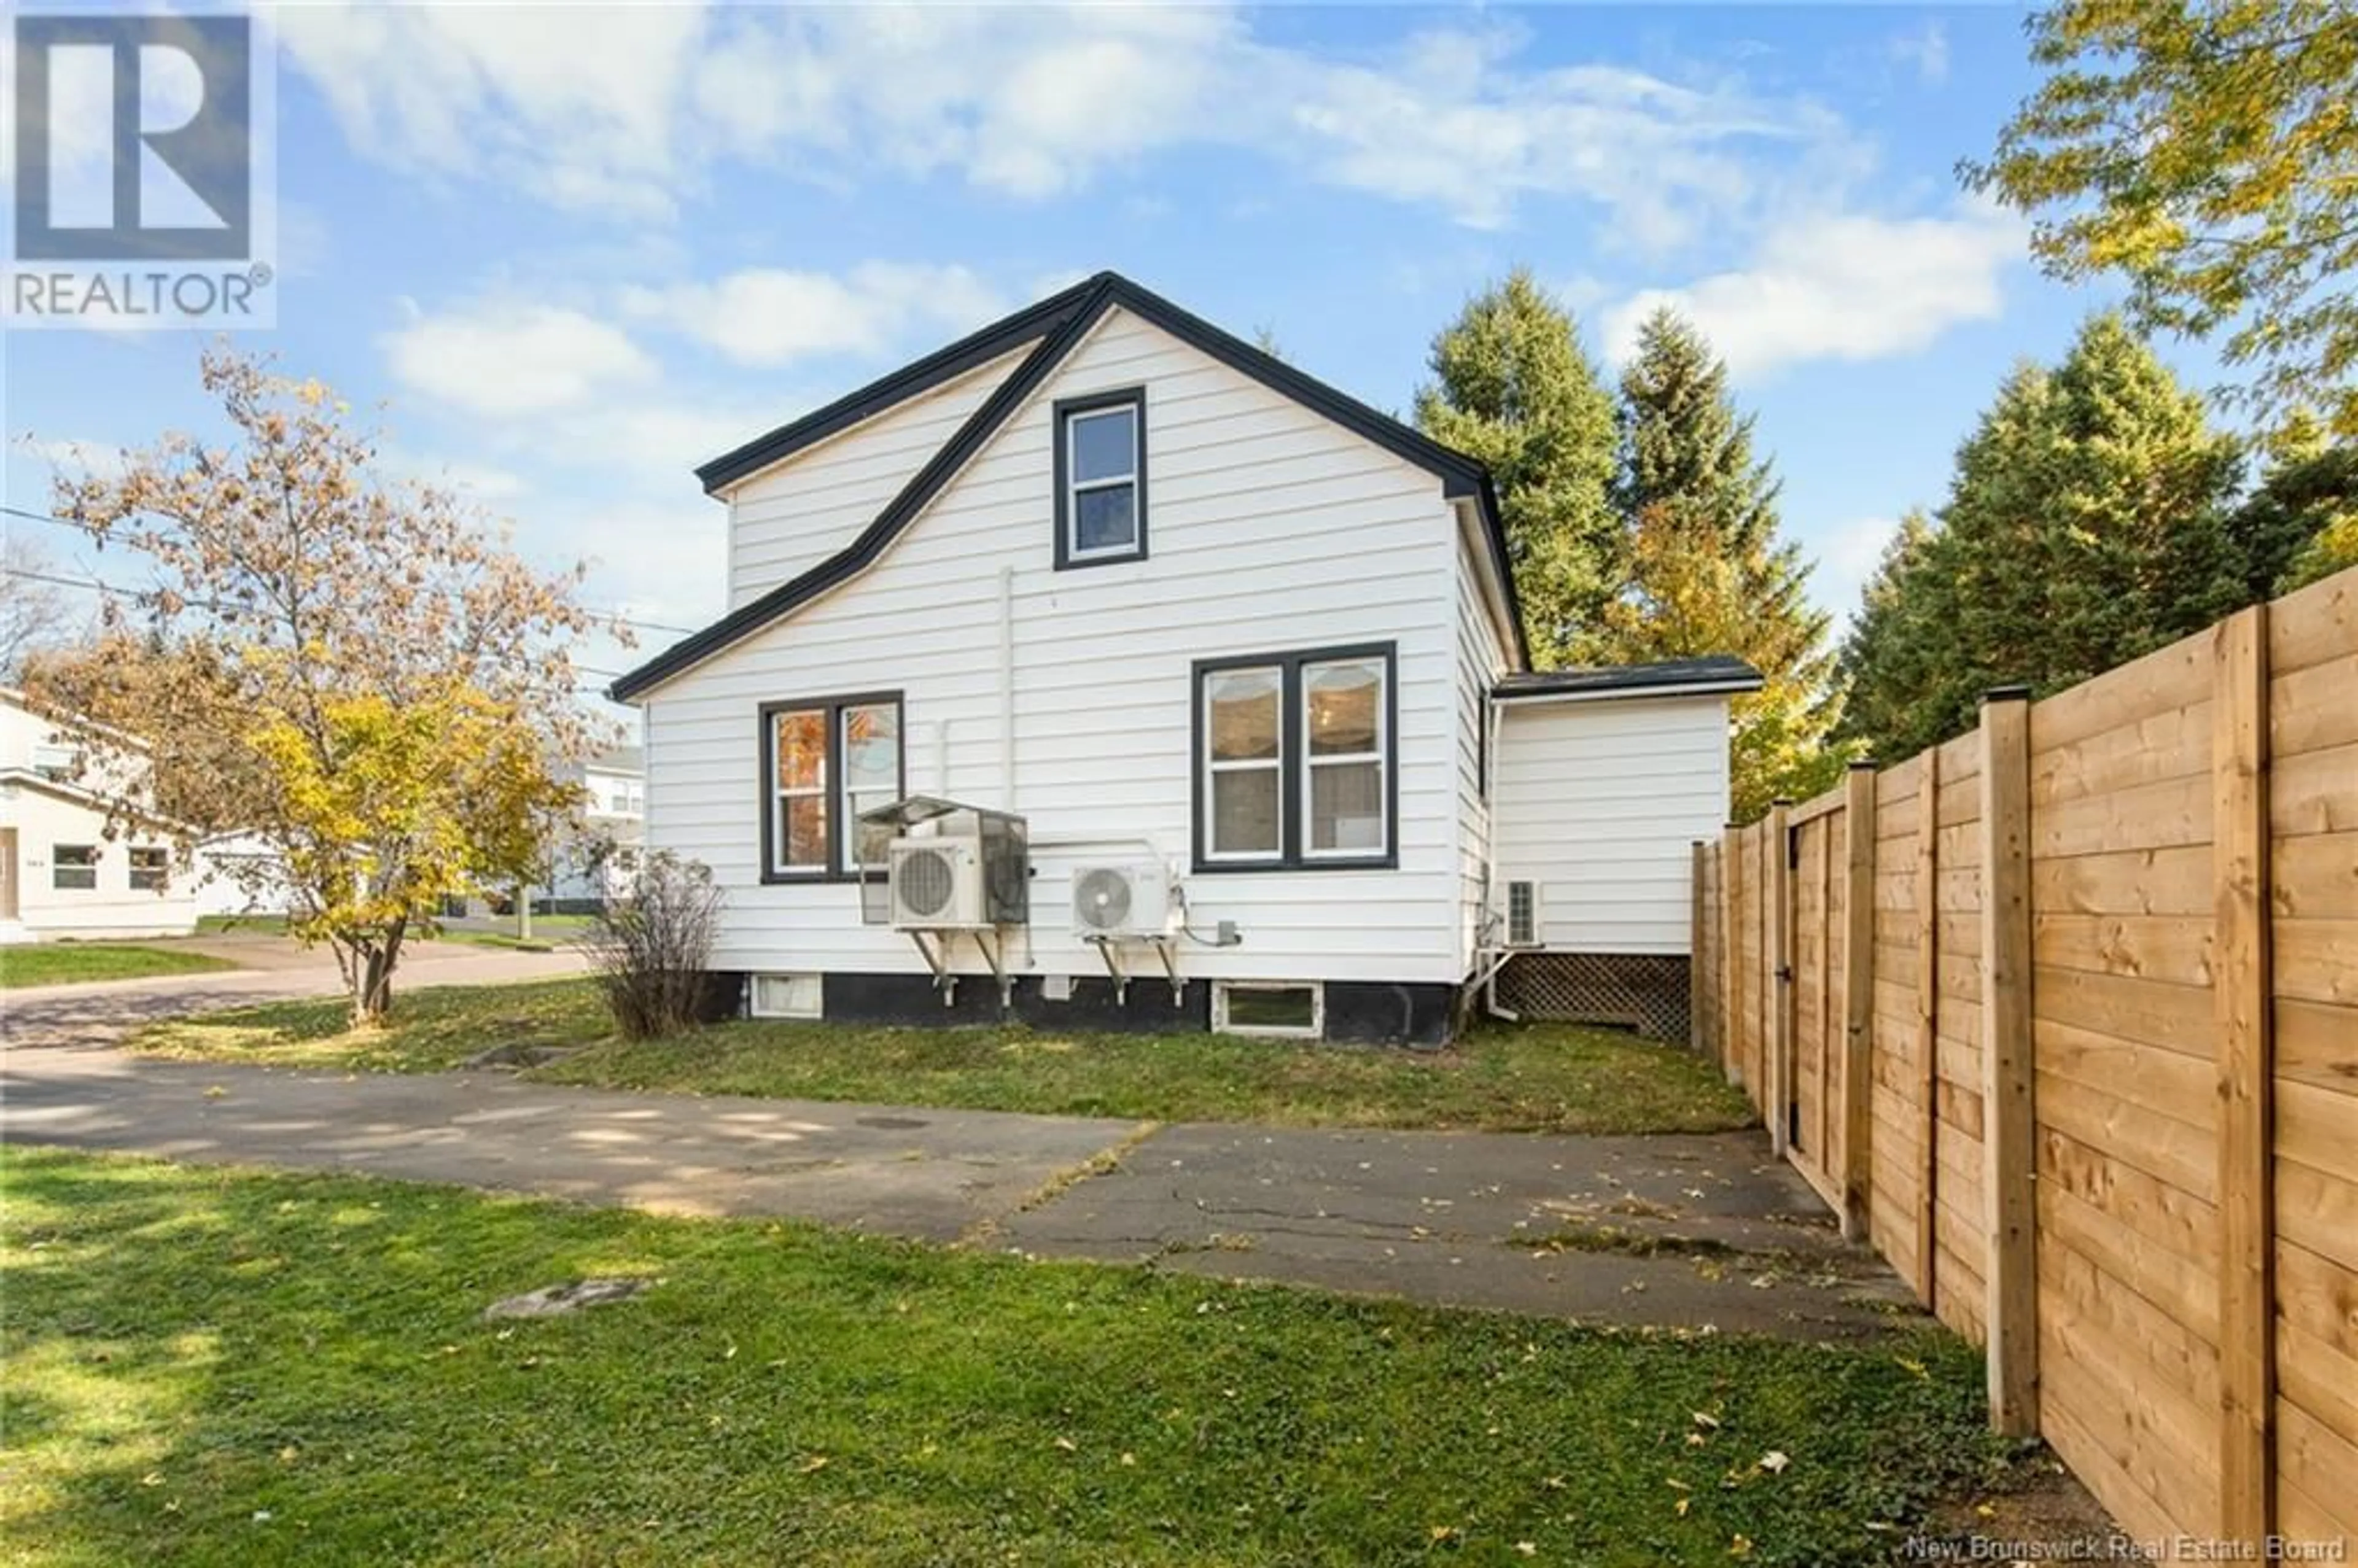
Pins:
<point x="1672" y="677"/>
<point x="1053" y="326"/>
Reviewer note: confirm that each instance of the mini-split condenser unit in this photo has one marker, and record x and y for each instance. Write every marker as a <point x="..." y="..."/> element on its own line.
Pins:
<point x="1129" y="899"/>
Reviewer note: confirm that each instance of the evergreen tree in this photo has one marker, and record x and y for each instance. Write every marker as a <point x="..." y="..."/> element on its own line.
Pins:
<point x="2086" y="525"/>
<point x="1513" y="387"/>
<point x="1707" y="573"/>
<point x="2310" y="494"/>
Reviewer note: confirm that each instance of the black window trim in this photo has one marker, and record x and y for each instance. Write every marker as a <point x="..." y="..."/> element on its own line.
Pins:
<point x="767" y="773"/>
<point x="1293" y="767"/>
<point x="1060" y="427"/>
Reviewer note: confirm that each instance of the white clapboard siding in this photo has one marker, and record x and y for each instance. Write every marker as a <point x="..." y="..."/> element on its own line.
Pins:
<point x="1481" y="660"/>
<point x="786" y="519"/>
<point x="1269" y="529"/>
<point x="1601" y="803"/>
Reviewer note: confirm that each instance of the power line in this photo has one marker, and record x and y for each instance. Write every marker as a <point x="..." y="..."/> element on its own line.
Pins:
<point x="602" y="613"/>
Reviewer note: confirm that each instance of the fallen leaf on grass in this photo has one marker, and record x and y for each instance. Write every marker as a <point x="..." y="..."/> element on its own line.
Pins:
<point x="816" y="1462"/>
<point x="1775" y="1460"/>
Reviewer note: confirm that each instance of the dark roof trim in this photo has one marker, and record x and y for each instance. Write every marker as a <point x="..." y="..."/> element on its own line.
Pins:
<point x="968" y="354"/>
<point x="845" y="564"/>
<point x="1078" y="310"/>
<point x="1674" y="677"/>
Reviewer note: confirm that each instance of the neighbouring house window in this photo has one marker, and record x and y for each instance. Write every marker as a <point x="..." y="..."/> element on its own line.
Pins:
<point x="1261" y="1007"/>
<point x="73" y="868"/>
<point x="1101" y="479"/>
<point x="58" y="764"/>
<point x="151" y="869"/>
<point x="823" y="762"/>
<point x="1295" y="758"/>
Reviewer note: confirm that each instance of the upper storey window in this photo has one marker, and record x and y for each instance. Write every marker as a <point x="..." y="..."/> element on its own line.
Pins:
<point x="1101" y="479"/>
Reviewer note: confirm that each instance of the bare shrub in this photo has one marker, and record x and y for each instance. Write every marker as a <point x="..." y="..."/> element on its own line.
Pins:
<point x="652" y="951"/>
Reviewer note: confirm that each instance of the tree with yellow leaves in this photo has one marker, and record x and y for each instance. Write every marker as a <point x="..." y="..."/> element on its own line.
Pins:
<point x="358" y="671"/>
<point x="2204" y="150"/>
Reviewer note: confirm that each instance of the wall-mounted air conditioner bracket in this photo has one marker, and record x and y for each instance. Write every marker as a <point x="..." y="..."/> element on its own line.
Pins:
<point x="1110" y="952"/>
<point x="939" y="963"/>
<point x="992" y="944"/>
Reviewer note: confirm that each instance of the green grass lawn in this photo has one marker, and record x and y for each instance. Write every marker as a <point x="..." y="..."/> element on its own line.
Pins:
<point x="1538" y="1076"/>
<point x="214" y="1367"/>
<point x="61" y="963"/>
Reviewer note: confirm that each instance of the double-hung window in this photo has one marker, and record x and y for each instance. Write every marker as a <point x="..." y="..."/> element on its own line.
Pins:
<point x="151" y="869"/>
<point x="1101" y="479"/>
<point x="824" y="761"/>
<point x="73" y="868"/>
<point x="1295" y="760"/>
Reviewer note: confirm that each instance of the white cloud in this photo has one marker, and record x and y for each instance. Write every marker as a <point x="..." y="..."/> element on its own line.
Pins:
<point x="769" y="316"/>
<point x="624" y="109"/>
<point x="502" y="359"/>
<point x="1926" y="51"/>
<point x="578" y="104"/>
<point x="1842" y="285"/>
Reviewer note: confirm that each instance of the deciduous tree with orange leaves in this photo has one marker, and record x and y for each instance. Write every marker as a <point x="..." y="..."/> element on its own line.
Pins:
<point x="360" y="671"/>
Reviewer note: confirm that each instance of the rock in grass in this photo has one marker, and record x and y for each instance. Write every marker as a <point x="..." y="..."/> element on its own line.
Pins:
<point x="553" y="1300"/>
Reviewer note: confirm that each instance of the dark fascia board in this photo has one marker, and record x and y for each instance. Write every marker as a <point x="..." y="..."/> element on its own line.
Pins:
<point x="968" y="354"/>
<point x="1079" y="309"/>
<point x="854" y="557"/>
<point x="1716" y="674"/>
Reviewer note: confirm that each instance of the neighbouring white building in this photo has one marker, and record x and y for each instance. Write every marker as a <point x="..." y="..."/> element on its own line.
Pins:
<point x="603" y="858"/>
<point x="62" y="874"/>
<point x="1239" y="660"/>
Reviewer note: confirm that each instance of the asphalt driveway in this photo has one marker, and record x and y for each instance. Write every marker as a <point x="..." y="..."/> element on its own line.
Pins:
<point x="1705" y="1233"/>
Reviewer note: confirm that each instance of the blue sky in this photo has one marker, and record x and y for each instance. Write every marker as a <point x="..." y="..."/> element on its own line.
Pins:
<point x="574" y="253"/>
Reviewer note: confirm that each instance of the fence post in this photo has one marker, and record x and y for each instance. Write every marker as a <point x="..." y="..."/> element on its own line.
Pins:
<point x="2240" y="998"/>
<point x="1928" y="1021"/>
<point x="1731" y="958"/>
<point x="1780" y="995"/>
<point x="2010" y="1150"/>
<point x="1696" y="953"/>
<point x="1858" y="999"/>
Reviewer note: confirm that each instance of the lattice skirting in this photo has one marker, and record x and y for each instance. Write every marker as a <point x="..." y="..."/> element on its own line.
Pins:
<point x="1645" y="991"/>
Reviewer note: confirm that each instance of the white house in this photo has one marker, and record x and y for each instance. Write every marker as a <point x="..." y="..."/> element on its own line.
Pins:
<point x="1239" y="656"/>
<point x="599" y="861"/>
<point x="62" y="874"/>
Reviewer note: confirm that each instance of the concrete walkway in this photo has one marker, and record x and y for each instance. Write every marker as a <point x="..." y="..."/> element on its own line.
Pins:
<point x="1693" y="1232"/>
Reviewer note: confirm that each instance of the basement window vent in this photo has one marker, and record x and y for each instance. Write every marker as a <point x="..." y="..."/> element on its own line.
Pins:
<point x="1523" y="915"/>
<point x="786" y="996"/>
<point x="1281" y="1009"/>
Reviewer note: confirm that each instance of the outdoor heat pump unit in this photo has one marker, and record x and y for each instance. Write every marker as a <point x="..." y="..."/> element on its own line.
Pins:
<point x="953" y="868"/>
<point x="936" y="883"/>
<point x="1129" y="900"/>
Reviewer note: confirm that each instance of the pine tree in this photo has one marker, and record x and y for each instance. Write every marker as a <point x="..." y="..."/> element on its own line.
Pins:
<point x="2086" y="525"/>
<point x="2285" y="531"/>
<point x="1707" y="573"/>
<point x="1513" y="387"/>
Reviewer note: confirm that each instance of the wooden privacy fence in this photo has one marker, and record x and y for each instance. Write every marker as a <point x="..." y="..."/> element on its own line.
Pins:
<point x="2061" y="1017"/>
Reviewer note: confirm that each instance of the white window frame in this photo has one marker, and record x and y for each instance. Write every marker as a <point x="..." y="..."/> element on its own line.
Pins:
<point x="1312" y="761"/>
<point x="813" y="1007"/>
<point x="1213" y="767"/>
<point x="1315" y="1030"/>
<point x="163" y="882"/>
<point x="1075" y="486"/>
<point x="57" y="868"/>
<point x="780" y="794"/>
<point x="839" y="743"/>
